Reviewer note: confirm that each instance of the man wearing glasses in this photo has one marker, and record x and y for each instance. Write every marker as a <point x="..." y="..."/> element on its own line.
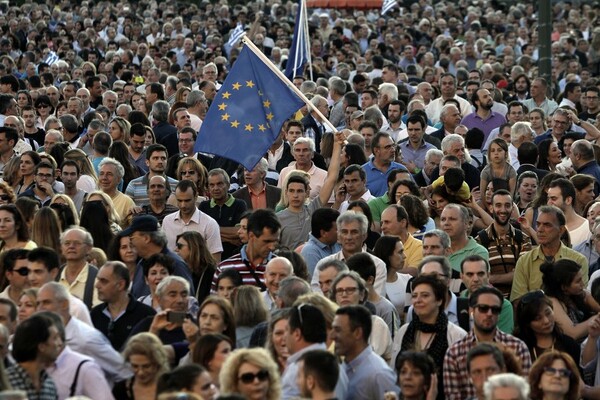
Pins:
<point x="592" y="101"/>
<point x="45" y="186"/>
<point x="485" y="305"/>
<point x="379" y="167"/>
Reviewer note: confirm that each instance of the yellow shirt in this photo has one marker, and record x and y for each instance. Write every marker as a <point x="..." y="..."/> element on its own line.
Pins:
<point x="413" y="249"/>
<point x="77" y="288"/>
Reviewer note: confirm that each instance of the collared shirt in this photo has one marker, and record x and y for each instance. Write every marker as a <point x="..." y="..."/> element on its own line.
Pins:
<point x="513" y="157"/>
<point x="289" y="387"/>
<point x="528" y="277"/>
<point x="314" y="251"/>
<point x="258" y="199"/>
<point x="200" y="222"/>
<point x="90" y="381"/>
<point x="377" y="205"/>
<point x="457" y="382"/>
<point x="274" y="157"/>
<point x="20" y="380"/>
<point x="369" y="376"/>
<point x="417" y="156"/>
<point x="413" y="249"/>
<point x="493" y="120"/>
<point x="242" y="264"/>
<point x="123" y="204"/>
<point x="548" y="105"/>
<point x="317" y="178"/>
<point x="434" y="108"/>
<point x="366" y="197"/>
<point x="377" y="179"/>
<point x="137" y="189"/>
<point x="77" y="287"/>
<point x="592" y="168"/>
<point x="471" y="248"/>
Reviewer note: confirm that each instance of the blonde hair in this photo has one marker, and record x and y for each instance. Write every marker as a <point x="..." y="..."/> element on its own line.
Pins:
<point x="85" y="165"/>
<point x="68" y="201"/>
<point x="113" y="216"/>
<point x="149" y="345"/>
<point x="327" y="307"/>
<point x="46" y="229"/>
<point x="258" y="357"/>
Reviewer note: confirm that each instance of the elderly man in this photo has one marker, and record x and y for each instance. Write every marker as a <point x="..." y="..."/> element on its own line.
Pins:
<point x="448" y="85"/>
<point x="277" y="269"/>
<point x="584" y="162"/>
<point x="450" y="118"/>
<point x="303" y="150"/>
<point x="313" y="124"/>
<point x="158" y="190"/>
<point x="539" y="99"/>
<point x="111" y="173"/>
<point x="197" y="105"/>
<point x="520" y="133"/>
<point x="455" y="145"/>
<point x="380" y="166"/>
<point x="258" y="193"/>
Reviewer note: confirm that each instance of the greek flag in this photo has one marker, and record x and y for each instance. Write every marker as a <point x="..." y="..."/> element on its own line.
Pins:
<point x="51" y="58"/>
<point x="236" y="35"/>
<point x="300" y="49"/>
<point x="388" y="5"/>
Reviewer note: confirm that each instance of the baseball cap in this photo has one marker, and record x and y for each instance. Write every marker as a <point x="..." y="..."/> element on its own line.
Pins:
<point x="141" y="223"/>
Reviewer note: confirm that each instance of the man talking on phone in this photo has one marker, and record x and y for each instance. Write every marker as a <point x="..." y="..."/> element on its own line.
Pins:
<point x="44" y="186"/>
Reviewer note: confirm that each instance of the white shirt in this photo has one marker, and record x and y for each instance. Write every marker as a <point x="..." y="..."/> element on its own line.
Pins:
<point x="317" y="178"/>
<point x="434" y="108"/>
<point x="200" y="222"/>
<point x="365" y="197"/>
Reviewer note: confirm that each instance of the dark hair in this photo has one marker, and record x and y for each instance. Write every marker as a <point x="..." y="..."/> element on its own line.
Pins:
<point x="95" y="219"/>
<point x="384" y="248"/>
<point x="45" y="255"/>
<point x="419" y="360"/>
<point x="363" y="264"/>
<point x="474" y="298"/>
<point x="20" y="222"/>
<point x="228" y="317"/>
<point x="65" y="215"/>
<point x="566" y="189"/>
<point x="153" y="148"/>
<point x="454" y="179"/>
<point x="10" y="134"/>
<point x="414" y="189"/>
<point x="437" y="286"/>
<point x="323" y="367"/>
<point x="182" y="378"/>
<point x="360" y="317"/>
<point x="323" y="219"/>
<point x="120" y="271"/>
<point x="161" y="259"/>
<point x="416" y="210"/>
<point x="231" y="274"/>
<point x="12" y="308"/>
<point x="558" y="274"/>
<point x="298" y="263"/>
<point x="355" y="154"/>
<point x="311" y="322"/>
<point x="185" y="185"/>
<point x="527" y="154"/>
<point x="366" y="211"/>
<point x="350" y="169"/>
<point x="10" y="257"/>
<point x="529" y="307"/>
<point x="546" y="360"/>
<point x="543" y="152"/>
<point x="261" y="219"/>
<point x="485" y="349"/>
<point x="206" y="346"/>
<point x="30" y="333"/>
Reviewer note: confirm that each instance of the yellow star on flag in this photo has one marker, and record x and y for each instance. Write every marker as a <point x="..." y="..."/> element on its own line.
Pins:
<point x="222" y="106"/>
<point x="248" y="127"/>
<point x="266" y="103"/>
<point x="235" y="124"/>
<point x="250" y="84"/>
<point x="270" y="116"/>
<point x="262" y="128"/>
<point x="226" y="95"/>
<point x="236" y="86"/>
<point x="224" y="117"/>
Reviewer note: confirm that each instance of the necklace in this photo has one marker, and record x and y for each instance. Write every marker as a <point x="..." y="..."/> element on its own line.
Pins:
<point x="535" y="354"/>
<point x="428" y="341"/>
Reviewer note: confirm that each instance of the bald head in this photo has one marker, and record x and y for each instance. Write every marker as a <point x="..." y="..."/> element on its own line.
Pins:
<point x="277" y="269"/>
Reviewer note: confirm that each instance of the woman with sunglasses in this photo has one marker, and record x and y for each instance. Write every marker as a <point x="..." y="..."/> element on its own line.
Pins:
<point x="251" y="373"/>
<point x="562" y="281"/>
<point x="191" y="169"/>
<point x="554" y="376"/>
<point x="44" y="108"/>
<point x="536" y="326"/>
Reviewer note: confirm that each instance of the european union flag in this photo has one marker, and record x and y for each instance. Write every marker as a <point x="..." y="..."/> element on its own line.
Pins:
<point x="248" y="112"/>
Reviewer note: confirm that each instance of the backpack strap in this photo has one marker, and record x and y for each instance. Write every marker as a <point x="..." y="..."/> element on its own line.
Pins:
<point x="88" y="293"/>
<point x="462" y="308"/>
<point x="484" y="239"/>
<point x="74" y="384"/>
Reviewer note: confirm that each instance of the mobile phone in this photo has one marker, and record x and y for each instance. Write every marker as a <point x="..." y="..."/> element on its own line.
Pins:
<point x="176" y="317"/>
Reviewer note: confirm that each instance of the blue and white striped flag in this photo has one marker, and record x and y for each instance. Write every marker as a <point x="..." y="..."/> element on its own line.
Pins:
<point x="236" y="35"/>
<point x="300" y="49"/>
<point x="51" y="58"/>
<point x="388" y="5"/>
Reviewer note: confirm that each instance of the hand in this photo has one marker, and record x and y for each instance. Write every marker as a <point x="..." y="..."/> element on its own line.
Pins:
<point x="339" y="138"/>
<point x="433" y="388"/>
<point x="340" y="194"/>
<point x="411" y="166"/>
<point x="159" y="322"/>
<point x="135" y="210"/>
<point x="190" y="329"/>
<point x="525" y="226"/>
<point x="594" y="327"/>
<point x="46" y="188"/>
<point x="573" y="117"/>
<point x="390" y="396"/>
<point x="476" y="193"/>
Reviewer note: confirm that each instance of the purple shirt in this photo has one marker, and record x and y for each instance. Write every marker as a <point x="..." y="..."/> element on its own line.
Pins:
<point x="493" y="121"/>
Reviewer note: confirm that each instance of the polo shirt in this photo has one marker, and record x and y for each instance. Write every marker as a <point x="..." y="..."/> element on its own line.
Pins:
<point x="413" y="249"/>
<point x="251" y="274"/>
<point x="528" y="277"/>
<point x="314" y="251"/>
<point x="471" y="248"/>
<point x="123" y="204"/>
<point x="77" y="288"/>
<point x="377" y="205"/>
<point x="227" y="215"/>
<point x="377" y="179"/>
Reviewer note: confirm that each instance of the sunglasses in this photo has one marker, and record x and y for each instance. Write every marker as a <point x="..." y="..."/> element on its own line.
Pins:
<point x="562" y="372"/>
<point x="484" y="308"/>
<point x="4" y="197"/>
<point x="23" y="271"/>
<point x="180" y="245"/>
<point x="249" y="377"/>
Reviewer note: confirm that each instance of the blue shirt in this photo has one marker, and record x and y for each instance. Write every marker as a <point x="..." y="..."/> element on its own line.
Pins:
<point x="377" y="179"/>
<point x="417" y="156"/>
<point x="592" y="168"/>
<point x="314" y="251"/>
<point x="369" y="376"/>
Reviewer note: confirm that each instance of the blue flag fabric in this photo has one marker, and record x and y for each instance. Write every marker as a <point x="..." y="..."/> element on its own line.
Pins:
<point x="248" y="112"/>
<point x="298" y="55"/>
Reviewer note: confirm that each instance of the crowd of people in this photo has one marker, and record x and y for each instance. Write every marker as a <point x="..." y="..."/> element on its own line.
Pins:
<point x="441" y="242"/>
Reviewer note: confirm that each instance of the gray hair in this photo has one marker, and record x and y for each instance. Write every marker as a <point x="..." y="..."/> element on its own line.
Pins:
<point x="337" y="85"/>
<point x="412" y="103"/>
<point x="438" y="233"/>
<point x="160" y="111"/>
<point x="69" y="122"/>
<point x="441" y="260"/>
<point x="194" y="97"/>
<point x="506" y="380"/>
<point x="305" y="140"/>
<point x="351" y="216"/>
<point x="50" y="120"/>
<point x="432" y="153"/>
<point x="87" y="237"/>
<point x="125" y="106"/>
<point x="374" y="115"/>
<point x="308" y="87"/>
<point x="390" y="90"/>
<point x="158" y="237"/>
<point x="519" y="130"/>
<point x="317" y="99"/>
<point x="109" y="93"/>
<point x="59" y="291"/>
<point x="446" y="108"/>
<point x="96" y="124"/>
<point x="464" y="212"/>
<point x="362" y="286"/>
<point x="115" y="163"/>
<point x="262" y="166"/>
<point x="339" y="265"/>
<point x="56" y="134"/>
<point x="291" y="288"/>
<point x="162" y="286"/>
<point x="220" y="171"/>
<point x="450" y="140"/>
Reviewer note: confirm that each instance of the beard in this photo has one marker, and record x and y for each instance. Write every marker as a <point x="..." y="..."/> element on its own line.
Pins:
<point x="498" y="220"/>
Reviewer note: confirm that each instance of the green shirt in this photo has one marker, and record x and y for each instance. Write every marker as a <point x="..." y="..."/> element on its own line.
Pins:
<point x="528" y="276"/>
<point x="470" y="249"/>
<point x="377" y="205"/>
<point x="506" y="320"/>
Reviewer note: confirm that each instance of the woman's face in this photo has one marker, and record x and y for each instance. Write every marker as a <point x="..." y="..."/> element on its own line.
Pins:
<point x="497" y="154"/>
<point x="60" y="111"/>
<point x="554" y="155"/>
<point x="183" y="249"/>
<point x="586" y="195"/>
<point x="489" y="191"/>
<point x="221" y="353"/>
<point x="401" y="191"/>
<point x="412" y="381"/>
<point x="243" y="230"/>
<point x="593" y="213"/>
<point x="439" y="203"/>
<point x="424" y="301"/>
<point x="143" y="368"/>
<point x="576" y="286"/>
<point x="528" y="189"/>
<point x="278" y="338"/>
<point x="397" y="258"/>
<point x="115" y="131"/>
<point x="347" y="292"/>
<point x="26" y="165"/>
<point x="4" y="197"/>
<point x="22" y="100"/>
<point x="567" y="143"/>
<point x="249" y="384"/>
<point x="7" y="225"/>
<point x="149" y="139"/>
<point x="156" y="274"/>
<point x="543" y="323"/>
<point x="205" y="387"/>
<point x="26" y="307"/>
<point x="554" y="381"/>
<point x="127" y="251"/>
<point x="225" y="288"/>
<point x="211" y="319"/>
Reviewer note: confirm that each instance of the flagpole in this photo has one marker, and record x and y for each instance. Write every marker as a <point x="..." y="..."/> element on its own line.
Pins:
<point x="306" y="36"/>
<point x="289" y="84"/>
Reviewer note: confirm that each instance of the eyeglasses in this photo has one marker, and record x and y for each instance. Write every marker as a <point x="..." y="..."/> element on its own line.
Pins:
<point x="561" y="122"/>
<point x="190" y="172"/>
<point x="4" y="197"/>
<point x="180" y="245"/>
<point x="249" y="377"/>
<point x="44" y="176"/>
<point x="346" y="291"/>
<point x="562" y="372"/>
<point x="484" y="308"/>
<point x="43" y="106"/>
<point x="23" y="271"/>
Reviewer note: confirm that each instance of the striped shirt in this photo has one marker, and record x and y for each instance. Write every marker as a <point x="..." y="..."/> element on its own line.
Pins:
<point x="249" y="272"/>
<point x="20" y="380"/>
<point x="137" y="189"/>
